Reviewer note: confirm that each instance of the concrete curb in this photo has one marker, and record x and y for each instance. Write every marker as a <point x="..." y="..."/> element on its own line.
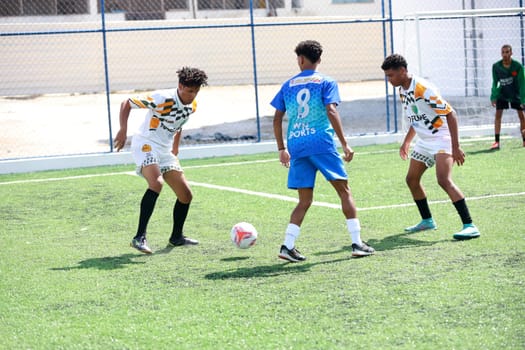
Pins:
<point x="26" y="165"/>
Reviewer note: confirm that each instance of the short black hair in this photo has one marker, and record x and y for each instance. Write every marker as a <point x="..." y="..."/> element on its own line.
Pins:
<point x="394" y="61"/>
<point x="507" y="46"/>
<point x="193" y="77"/>
<point x="310" y="49"/>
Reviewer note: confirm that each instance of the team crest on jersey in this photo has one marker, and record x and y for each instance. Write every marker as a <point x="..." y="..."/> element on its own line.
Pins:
<point x="408" y="98"/>
<point x="146" y="148"/>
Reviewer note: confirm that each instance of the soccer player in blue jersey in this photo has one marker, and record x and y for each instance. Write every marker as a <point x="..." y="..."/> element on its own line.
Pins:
<point x="309" y="99"/>
<point x="155" y="147"/>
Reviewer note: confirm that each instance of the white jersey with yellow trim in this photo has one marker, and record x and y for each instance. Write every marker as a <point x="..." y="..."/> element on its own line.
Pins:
<point x="425" y="109"/>
<point x="166" y="116"/>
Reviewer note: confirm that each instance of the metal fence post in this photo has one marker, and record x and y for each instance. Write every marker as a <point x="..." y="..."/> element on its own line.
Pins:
<point x="106" y="71"/>
<point x="386" y="53"/>
<point x="255" y="82"/>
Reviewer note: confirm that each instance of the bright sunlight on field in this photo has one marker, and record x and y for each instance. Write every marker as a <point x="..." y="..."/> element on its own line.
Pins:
<point x="71" y="281"/>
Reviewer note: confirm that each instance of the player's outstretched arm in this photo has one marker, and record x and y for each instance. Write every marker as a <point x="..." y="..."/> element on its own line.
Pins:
<point x="284" y="156"/>
<point x="176" y="143"/>
<point x="457" y="152"/>
<point x="405" y="146"/>
<point x="120" y="138"/>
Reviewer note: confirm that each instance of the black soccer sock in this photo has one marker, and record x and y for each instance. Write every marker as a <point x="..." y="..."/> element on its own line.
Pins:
<point x="147" y="204"/>
<point x="496" y="137"/>
<point x="461" y="207"/>
<point x="424" y="210"/>
<point x="180" y="212"/>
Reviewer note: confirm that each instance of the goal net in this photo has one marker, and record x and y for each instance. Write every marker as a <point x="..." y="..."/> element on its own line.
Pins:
<point x="455" y="50"/>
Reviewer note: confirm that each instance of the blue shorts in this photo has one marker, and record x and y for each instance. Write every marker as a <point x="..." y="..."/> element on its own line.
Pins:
<point x="303" y="170"/>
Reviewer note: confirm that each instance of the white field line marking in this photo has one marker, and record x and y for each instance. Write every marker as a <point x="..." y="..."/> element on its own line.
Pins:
<point x="231" y="163"/>
<point x="276" y="160"/>
<point x="202" y="166"/>
<point x="49" y="179"/>
<point x="338" y="206"/>
<point x="483" y="139"/>
<point x="186" y="167"/>
<point x="211" y="165"/>
<point x="476" y="198"/>
<point x="262" y="194"/>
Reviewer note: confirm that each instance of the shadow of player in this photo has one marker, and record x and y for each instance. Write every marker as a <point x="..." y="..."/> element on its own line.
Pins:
<point x="104" y="263"/>
<point x="269" y="270"/>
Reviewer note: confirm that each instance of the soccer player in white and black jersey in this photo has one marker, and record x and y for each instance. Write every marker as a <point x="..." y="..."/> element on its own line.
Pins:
<point x="155" y="147"/>
<point x="434" y="121"/>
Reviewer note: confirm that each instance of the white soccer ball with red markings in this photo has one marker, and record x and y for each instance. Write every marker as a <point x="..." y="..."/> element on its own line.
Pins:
<point x="243" y="235"/>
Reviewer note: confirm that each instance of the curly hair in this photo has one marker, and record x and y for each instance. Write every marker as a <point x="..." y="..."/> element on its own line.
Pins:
<point x="193" y="77"/>
<point x="394" y="61"/>
<point x="310" y="49"/>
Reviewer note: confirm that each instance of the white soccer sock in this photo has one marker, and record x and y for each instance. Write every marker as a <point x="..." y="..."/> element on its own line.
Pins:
<point x="292" y="232"/>
<point x="354" y="227"/>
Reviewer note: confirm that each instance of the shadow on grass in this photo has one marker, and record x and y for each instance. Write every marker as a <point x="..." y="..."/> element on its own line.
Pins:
<point x="165" y="250"/>
<point x="235" y="258"/>
<point x="268" y="270"/>
<point x="481" y="151"/>
<point x="399" y="241"/>
<point x="402" y="241"/>
<point x="105" y="263"/>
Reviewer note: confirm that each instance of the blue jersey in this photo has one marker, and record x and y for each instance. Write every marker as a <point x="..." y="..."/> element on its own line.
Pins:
<point x="304" y="98"/>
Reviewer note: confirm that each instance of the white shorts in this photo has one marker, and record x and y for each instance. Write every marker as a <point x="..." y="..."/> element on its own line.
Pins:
<point x="147" y="153"/>
<point x="426" y="152"/>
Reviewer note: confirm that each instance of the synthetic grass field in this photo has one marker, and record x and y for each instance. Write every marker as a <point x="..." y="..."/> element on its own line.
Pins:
<point x="69" y="279"/>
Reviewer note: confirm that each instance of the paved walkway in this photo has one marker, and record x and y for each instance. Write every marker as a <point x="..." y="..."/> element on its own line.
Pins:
<point x="75" y="124"/>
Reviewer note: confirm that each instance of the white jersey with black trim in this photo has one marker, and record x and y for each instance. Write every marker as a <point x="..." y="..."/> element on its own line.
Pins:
<point x="425" y="109"/>
<point x="166" y="116"/>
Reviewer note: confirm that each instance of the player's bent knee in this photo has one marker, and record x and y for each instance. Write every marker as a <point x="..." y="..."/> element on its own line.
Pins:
<point x="156" y="187"/>
<point x="305" y="204"/>
<point x="185" y="197"/>
<point x="412" y="181"/>
<point x="445" y="183"/>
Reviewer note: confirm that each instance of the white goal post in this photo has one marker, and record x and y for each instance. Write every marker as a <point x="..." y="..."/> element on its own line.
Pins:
<point x="455" y="50"/>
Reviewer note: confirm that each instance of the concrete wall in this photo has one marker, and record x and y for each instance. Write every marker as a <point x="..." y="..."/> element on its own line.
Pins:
<point x="457" y="55"/>
<point x="147" y="59"/>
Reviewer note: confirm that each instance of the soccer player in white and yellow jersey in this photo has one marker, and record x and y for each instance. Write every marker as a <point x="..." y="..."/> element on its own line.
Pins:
<point x="434" y="121"/>
<point x="155" y="148"/>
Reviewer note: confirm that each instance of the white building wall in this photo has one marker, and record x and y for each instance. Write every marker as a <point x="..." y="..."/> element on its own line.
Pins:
<point x="125" y="51"/>
<point x="444" y="52"/>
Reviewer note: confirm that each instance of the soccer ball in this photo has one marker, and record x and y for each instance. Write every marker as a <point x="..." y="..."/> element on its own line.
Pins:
<point x="243" y="235"/>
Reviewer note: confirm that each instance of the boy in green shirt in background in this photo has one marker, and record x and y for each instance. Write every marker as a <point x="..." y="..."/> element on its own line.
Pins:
<point x="508" y="87"/>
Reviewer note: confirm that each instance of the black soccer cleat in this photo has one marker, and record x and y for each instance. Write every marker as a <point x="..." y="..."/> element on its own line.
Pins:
<point x="292" y="255"/>
<point x="362" y="250"/>
<point x="182" y="241"/>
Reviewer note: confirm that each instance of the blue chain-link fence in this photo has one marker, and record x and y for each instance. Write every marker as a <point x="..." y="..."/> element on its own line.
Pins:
<point x="66" y="65"/>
